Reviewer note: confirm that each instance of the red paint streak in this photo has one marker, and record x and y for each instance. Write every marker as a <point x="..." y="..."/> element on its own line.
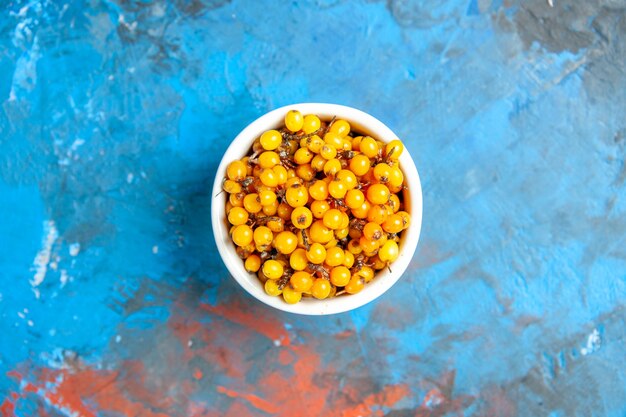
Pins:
<point x="344" y="335"/>
<point x="197" y="374"/>
<point x="285" y="357"/>
<point x="244" y="315"/>
<point x="388" y="397"/>
<point x="7" y="408"/>
<point x="255" y="401"/>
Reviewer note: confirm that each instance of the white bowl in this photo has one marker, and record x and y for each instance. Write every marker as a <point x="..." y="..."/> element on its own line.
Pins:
<point x="361" y="122"/>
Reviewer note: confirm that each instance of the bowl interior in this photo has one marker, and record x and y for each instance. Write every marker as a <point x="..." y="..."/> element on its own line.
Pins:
<point x="362" y="123"/>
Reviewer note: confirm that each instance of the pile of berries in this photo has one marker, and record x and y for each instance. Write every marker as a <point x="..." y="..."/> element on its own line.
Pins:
<point x="315" y="208"/>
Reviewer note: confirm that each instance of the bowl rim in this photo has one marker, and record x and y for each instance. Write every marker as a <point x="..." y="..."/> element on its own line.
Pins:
<point x="385" y="279"/>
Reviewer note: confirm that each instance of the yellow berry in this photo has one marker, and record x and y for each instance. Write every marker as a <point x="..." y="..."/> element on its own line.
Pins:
<point x="301" y="217"/>
<point x="337" y="188"/>
<point x="361" y="212"/>
<point x="237" y="216"/>
<point x="355" y="284"/>
<point x="316" y="253"/>
<point x="242" y="235"/>
<point x="348" y="259"/>
<point x="298" y="260"/>
<point x="269" y="159"/>
<point x="318" y="162"/>
<point x="406" y="219"/>
<point x="267" y="198"/>
<point x="334" y="256"/>
<point x="231" y="187"/>
<point x="272" y="288"/>
<point x="311" y="123"/>
<point x="301" y="281"/>
<point x="252" y="203"/>
<point x="318" y="208"/>
<point x="271" y="140"/>
<point x="328" y="151"/>
<point x="319" y="190"/>
<point x="348" y="178"/>
<point x="263" y="237"/>
<point x="333" y="139"/>
<point x="341" y="233"/>
<point x="393" y="224"/>
<point x="294" y="120"/>
<point x="302" y="156"/>
<point x="394" y="149"/>
<point x="306" y="172"/>
<point x="341" y="127"/>
<point x="340" y="276"/>
<point x="372" y="231"/>
<point x="389" y="252"/>
<point x="252" y="263"/>
<point x="369" y="147"/>
<point x="285" y="242"/>
<point x="321" y="288"/>
<point x="354" y="199"/>
<point x="272" y="269"/>
<point x="268" y="177"/>
<point x="315" y="144"/>
<point x="332" y="219"/>
<point x="378" y="194"/>
<point x="236" y="171"/>
<point x="382" y="172"/>
<point x="359" y="164"/>
<point x="290" y="295"/>
<point x="332" y="167"/>
<point x="377" y="214"/>
<point x="281" y="174"/>
<point x="297" y="195"/>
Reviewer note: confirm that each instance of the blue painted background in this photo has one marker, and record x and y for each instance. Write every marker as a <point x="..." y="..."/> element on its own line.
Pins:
<point x="114" y="116"/>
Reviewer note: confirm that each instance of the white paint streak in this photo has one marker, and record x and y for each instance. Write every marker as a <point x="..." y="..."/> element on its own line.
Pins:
<point x="64" y="278"/>
<point x="74" y="249"/>
<point x="155" y="249"/>
<point x="129" y="177"/>
<point x="593" y="343"/>
<point x="40" y="263"/>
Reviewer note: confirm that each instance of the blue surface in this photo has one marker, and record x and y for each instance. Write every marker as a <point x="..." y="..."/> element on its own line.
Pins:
<point x="114" y="118"/>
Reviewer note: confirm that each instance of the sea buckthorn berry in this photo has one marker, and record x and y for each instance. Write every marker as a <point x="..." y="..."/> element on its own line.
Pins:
<point x="354" y="199"/>
<point x="366" y="273"/>
<point x="348" y="178"/>
<point x="340" y="276"/>
<point x="355" y="285"/>
<point x="341" y="233"/>
<point x="242" y="235"/>
<point x="294" y="120"/>
<point x="284" y="211"/>
<point x="354" y="247"/>
<point x="315" y="144"/>
<point x="347" y="144"/>
<point x="237" y="216"/>
<point x="272" y="269"/>
<point x="362" y="212"/>
<point x="271" y="140"/>
<point x="301" y="281"/>
<point x="320" y="233"/>
<point x="290" y="295"/>
<point x="249" y="167"/>
<point x="376" y="263"/>
<point x="268" y="177"/>
<point x="332" y="242"/>
<point x="281" y="174"/>
<point x="337" y="189"/>
<point x="298" y="260"/>
<point x="377" y="214"/>
<point x="229" y="206"/>
<point x="252" y="203"/>
<point x="359" y="164"/>
<point x="345" y="221"/>
<point x="393" y="224"/>
<point x="368" y="246"/>
<point x="276" y="225"/>
<point x="369" y="147"/>
<point x="293" y="181"/>
<point x="356" y="143"/>
<point x="231" y="186"/>
<point x="396" y="177"/>
<point x="341" y="127"/>
<point x="332" y="167"/>
<point x="334" y="256"/>
<point x="321" y="288"/>
<point x="270" y="209"/>
<point x="348" y="260"/>
<point x="263" y="237"/>
<point x="236" y="171"/>
<point x="297" y="195"/>
<point x="318" y="162"/>
<point x="328" y="151"/>
<point x="301" y="217"/>
<point x="302" y="156"/>
<point x="389" y="252"/>
<point x="311" y="123"/>
<point x="318" y="208"/>
<point x="285" y="242"/>
<point x="393" y="150"/>
<point x="355" y="233"/>
<point x="316" y="253"/>
<point x="406" y="219"/>
<point x="394" y="202"/>
<point x="252" y="263"/>
<point x="332" y="219"/>
<point x="382" y="172"/>
<point x="319" y="190"/>
<point x="269" y="159"/>
<point x="372" y="231"/>
<point x="378" y="194"/>
<point x="272" y="288"/>
<point x="333" y="139"/>
<point x="306" y="172"/>
<point x="267" y="197"/>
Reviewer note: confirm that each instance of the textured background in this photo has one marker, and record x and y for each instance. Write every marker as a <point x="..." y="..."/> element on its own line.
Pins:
<point x="114" y="116"/>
